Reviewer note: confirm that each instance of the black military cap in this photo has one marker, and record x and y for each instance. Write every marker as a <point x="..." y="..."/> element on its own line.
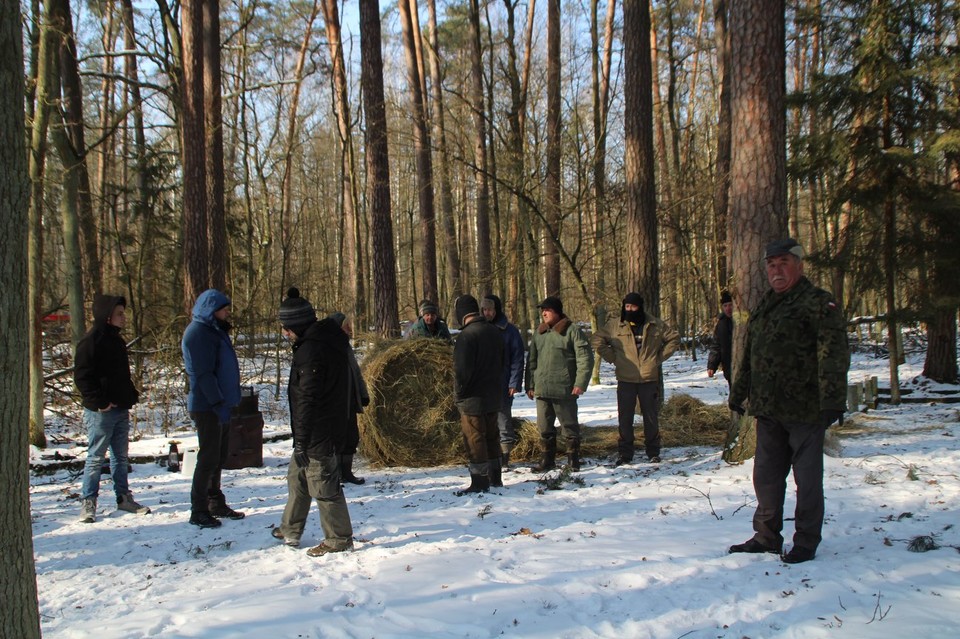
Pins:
<point x="553" y="303"/>
<point x="782" y="247"/>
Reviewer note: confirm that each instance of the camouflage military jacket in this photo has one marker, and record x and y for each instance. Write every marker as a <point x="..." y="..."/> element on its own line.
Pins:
<point x="796" y="357"/>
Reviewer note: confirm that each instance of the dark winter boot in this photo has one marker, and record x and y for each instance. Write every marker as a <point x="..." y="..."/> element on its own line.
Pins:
<point x="549" y="459"/>
<point x="479" y="480"/>
<point x="495" y="473"/>
<point x="505" y="456"/>
<point x="346" y="471"/>
<point x="220" y="510"/>
<point x="573" y="454"/>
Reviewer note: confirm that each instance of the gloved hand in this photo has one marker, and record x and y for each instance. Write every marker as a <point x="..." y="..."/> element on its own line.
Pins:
<point x="737" y="408"/>
<point x="827" y="417"/>
<point x="300" y="454"/>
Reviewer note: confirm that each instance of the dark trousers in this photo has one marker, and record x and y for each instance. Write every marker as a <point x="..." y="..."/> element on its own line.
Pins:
<point x="549" y="411"/>
<point x="481" y="438"/>
<point x="780" y="446"/>
<point x="211" y="455"/>
<point x="647" y="394"/>
<point x="351" y="438"/>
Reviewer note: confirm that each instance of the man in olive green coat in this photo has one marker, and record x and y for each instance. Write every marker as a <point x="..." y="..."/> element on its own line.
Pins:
<point x="559" y="364"/>
<point x="637" y="344"/>
<point x="793" y="378"/>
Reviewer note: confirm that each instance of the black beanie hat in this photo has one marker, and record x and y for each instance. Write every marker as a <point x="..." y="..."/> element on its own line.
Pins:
<point x="725" y="297"/>
<point x="464" y="306"/>
<point x="295" y="311"/>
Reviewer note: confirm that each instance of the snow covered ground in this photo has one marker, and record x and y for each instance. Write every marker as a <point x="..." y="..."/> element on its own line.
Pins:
<point x="637" y="551"/>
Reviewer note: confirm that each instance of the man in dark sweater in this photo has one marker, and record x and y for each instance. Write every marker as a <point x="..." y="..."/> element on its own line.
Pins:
<point x="721" y="348"/>
<point x="102" y="375"/>
<point x="477" y="373"/>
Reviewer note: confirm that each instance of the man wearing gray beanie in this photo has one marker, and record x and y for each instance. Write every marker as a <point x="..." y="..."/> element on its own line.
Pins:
<point x="428" y="323"/>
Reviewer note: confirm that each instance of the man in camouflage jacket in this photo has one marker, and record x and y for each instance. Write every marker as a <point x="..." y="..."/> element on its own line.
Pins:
<point x="793" y="377"/>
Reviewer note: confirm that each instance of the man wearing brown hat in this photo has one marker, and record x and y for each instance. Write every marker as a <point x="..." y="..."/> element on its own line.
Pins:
<point x="637" y="344"/>
<point x="559" y="365"/>
<point x="793" y="378"/>
<point x="428" y="323"/>
<point x="319" y="396"/>
<point x="722" y="346"/>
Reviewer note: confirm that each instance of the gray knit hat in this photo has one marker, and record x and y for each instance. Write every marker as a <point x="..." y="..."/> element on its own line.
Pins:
<point x="426" y="306"/>
<point x="295" y="311"/>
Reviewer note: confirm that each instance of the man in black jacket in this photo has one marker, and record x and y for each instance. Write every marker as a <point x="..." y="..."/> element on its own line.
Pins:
<point x="319" y="397"/>
<point x="102" y="375"/>
<point x="722" y="347"/>
<point x="477" y="378"/>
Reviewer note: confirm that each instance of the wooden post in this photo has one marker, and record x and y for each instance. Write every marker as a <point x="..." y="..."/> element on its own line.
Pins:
<point x="853" y="397"/>
<point x="870" y="391"/>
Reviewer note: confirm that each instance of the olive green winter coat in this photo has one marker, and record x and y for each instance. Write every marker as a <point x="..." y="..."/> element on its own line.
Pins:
<point x="794" y="364"/>
<point x="615" y="343"/>
<point x="559" y="359"/>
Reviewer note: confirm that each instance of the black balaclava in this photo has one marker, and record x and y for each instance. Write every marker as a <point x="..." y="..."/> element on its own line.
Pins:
<point x="638" y="317"/>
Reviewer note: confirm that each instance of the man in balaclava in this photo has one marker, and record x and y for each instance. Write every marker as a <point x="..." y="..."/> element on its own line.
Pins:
<point x="636" y="344"/>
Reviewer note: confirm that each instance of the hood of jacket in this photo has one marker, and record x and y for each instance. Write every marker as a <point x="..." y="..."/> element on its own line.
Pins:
<point x="208" y="303"/>
<point x="328" y="332"/>
<point x="103" y="306"/>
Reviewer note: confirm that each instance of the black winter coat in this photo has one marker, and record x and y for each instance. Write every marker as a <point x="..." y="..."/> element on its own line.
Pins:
<point x="721" y="349"/>
<point x="319" y="390"/>
<point x="101" y="366"/>
<point x="478" y="368"/>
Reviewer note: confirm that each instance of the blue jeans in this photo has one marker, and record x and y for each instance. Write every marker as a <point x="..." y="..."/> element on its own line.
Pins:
<point x="107" y="429"/>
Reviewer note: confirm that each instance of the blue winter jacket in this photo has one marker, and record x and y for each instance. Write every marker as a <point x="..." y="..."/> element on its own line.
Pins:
<point x="210" y="360"/>
<point x="513" y="354"/>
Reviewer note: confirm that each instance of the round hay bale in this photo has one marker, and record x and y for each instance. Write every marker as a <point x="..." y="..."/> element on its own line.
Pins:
<point x="411" y="420"/>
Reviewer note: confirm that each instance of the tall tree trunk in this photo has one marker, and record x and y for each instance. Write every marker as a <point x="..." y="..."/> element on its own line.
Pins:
<point x="643" y="274"/>
<point x="601" y="69"/>
<point x="290" y="143"/>
<point x="72" y="108"/>
<point x="452" y="253"/>
<point x="107" y="192"/>
<point x="67" y="135"/>
<point x="45" y="94"/>
<point x="721" y="188"/>
<point x="669" y="171"/>
<point x="422" y="146"/>
<point x="600" y="76"/>
<point x="758" y="182"/>
<point x="194" y="235"/>
<point x="481" y="180"/>
<point x="146" y="273"/>
<point x="890" y="264"/>
<point x="551" y="199"/>
<point x="213" y="146"/>
<point x="386" y="319"/>
<point x="19" y="616"/>
<point x="351" y="270"/>
<point x="519" y="297"/>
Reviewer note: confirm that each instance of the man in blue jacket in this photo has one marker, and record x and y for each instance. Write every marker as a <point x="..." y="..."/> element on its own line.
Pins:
<point x="492" y="309"/>
<point x="214" y="375"/>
